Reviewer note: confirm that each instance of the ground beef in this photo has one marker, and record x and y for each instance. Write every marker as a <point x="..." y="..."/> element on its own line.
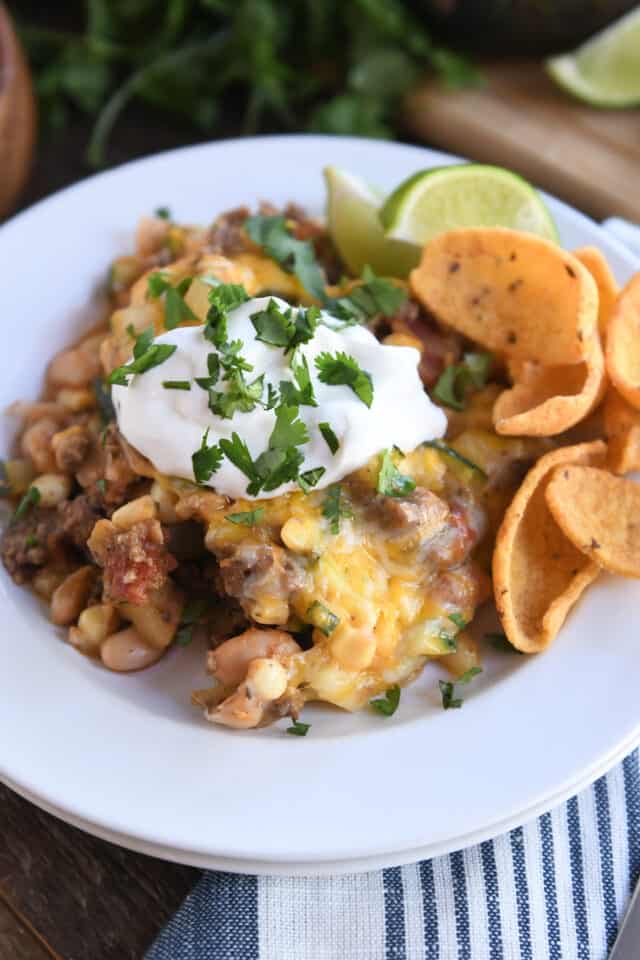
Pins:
<point x="252" y="570"/>
<point x="227" y="236"/>
<point x="136" y="563"/>
<point x="440" y="348"/>
<point x="421" y="512"/>
<point x="71" y="446"/>
<point x="77" y="518"/>
<point x="29" y="543"/>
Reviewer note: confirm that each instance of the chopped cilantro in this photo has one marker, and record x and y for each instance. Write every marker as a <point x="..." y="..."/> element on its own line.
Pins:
<point x="388" y="703"/>
<point x="447" y="688"/>
<point x="341" y="369"/>
<point x="301" y="393"/>
<point x="240" y="395"/>
<point x="295" y="256"/>
<point x="335" y="509"/>
<point x="373" y="297"/>
<point x="322" y="618"/>
<point x="283" y="328"/>
<point x="164" y="213"/>
<point x="31" y="540"/>
<point x="272" y="397"/>
<point x="157" y="284"/>
<point x="298" y="729"/>
<point x="224" y="297"/>
<point x="454" y="455"/>
<point x="176" y="384"/>
<point x="101" y="484"/>
<point x="329" y="436"/>
<point x="280" y="462"/>
<point x="309" y="479"/>
<point x="456" y="380"/>
<point x="392" y="483"/>
<point x="30" y="499"/>
<point x="176" y="311"/>
<point x="146" y="354"/>
<point x="192" y="612"/>
<point x="250" y="518"/>
<point x="206" y="460"/>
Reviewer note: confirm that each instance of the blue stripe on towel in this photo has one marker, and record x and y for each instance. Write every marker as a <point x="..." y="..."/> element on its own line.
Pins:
<point x="550" y="892"/>
<point x="577" y="879"/>
<point x="394" y="931"/>
<point x="429" y="911"/>
<point x="490" y="875"/>
<point x="522" y="893"/>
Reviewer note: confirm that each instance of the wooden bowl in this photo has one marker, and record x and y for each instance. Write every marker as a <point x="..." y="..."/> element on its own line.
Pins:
<point x="17" y="115"/>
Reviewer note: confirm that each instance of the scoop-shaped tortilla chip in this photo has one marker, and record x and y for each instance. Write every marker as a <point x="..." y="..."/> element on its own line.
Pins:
<point x="600" y="515"/>
<point x="538" y="574"/>
<point x="547" y="401"/>
<point x="623" y="343"/>
<point x="512" y="292"/>
<point x="622" y="430"/>
<point x="608" y="289"/>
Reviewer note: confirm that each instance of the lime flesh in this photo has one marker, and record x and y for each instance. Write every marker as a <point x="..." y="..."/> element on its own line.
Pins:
<point x="604" y="71"/>
<point x="464" y="195"/>
<point x="354" y="224"/>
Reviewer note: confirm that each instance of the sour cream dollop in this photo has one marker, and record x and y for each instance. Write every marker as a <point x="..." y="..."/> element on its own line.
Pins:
<point x="167" y="426"/>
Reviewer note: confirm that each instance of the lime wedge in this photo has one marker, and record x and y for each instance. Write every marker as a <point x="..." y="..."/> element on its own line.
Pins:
<point x="604" y="71"/>
<point x="464" y="195"/>
<point x="352" y="214"/>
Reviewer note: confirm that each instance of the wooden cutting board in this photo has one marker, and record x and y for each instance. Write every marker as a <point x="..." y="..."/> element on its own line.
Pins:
<point x="520" y="120"/>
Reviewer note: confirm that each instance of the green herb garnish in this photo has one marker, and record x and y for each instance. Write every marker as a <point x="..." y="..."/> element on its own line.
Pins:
<point x="329" y="436"/>
<point x="191" y="614"/>
<point x="176" y="384"/>
<point x="206" y="460"/>
<point x="31" y="540"/>
<point x="163" y="213"/>
<point x="310" y="478"/>
<point x="280" y="462"/>
<point x="175" y="309"/>
<point x="250" y="518"/>
<point x="458" y="619"/>
<point x="146" y="354"/>
<point x="102" y="392"/>
<point x="392" y="483"/>
<point x="449" y="702"/>
<point x="5" y="486"/>
<point x="335" y="509"/>
<point x="388" y="703"/>
<point x="101" y="485"/>
<point x="456" y="380"/>
<point x="373" y="297"/>
<point x="341" y="369"/>
<point x="454" y="455"/>
<point x="322" y="618"/>
<point x="295" y="256"/>
<point x="30" y="499"/>
<point x="298" y="729"/>
<point x="301" y="393"/>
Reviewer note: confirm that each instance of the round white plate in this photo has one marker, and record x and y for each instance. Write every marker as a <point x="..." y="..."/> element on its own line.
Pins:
<point x="128" y="758"/>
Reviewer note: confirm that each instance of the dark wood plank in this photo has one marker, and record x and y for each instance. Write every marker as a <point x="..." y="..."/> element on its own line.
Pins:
<point x="88" y="899"/>
<point x="16" y="941"/>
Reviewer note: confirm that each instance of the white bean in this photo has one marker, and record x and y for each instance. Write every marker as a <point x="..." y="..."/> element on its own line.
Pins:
<point x="126" y="651"/>
<point x="53" y="488"/>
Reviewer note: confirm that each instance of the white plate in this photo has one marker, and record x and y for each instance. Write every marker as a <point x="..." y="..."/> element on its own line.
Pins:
<point x="127" y="757"/>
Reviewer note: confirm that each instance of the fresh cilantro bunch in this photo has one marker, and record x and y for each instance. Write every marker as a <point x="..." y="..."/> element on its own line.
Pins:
<point x="335" y="66"/>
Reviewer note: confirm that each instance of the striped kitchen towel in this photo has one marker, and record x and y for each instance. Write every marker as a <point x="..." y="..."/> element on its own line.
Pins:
<point x="554" y="889"/>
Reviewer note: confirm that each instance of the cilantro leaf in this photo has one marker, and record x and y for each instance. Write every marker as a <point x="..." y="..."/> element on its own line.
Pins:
<point x="273" y="326"/>
<point x="206" y="461"/>
<point x="146" y="354"/>
<point x="392" y="483"/>
<point x="295" y="256"/>
<point x="329" y="436"/>
<point x="306" y="322"/>
<point x="298" y="729"/>
<point x="176" y="311"/>
<point x="240" y="396"/>
<point x="457" y="380"/>
<point x="387" y="704"/>
<point x="30" y="499"/>
<point x="164" y="213"/>
<point x="373" y="297"/>
<point x="250" y="518"/>
<point x="341" y="369"/>
<point x="237" y="452"/>
<point x="157" y="283"/>
<point x="288" y="431"/>
<point x="459" y="620"/>
<point x="309" y="479"/>
<point x="447" y="688"/>
<point x="272" y="397"/>
<point x="335" y="508"/>
<point x="302" y="394"/>
<point x="223" y="297"/>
